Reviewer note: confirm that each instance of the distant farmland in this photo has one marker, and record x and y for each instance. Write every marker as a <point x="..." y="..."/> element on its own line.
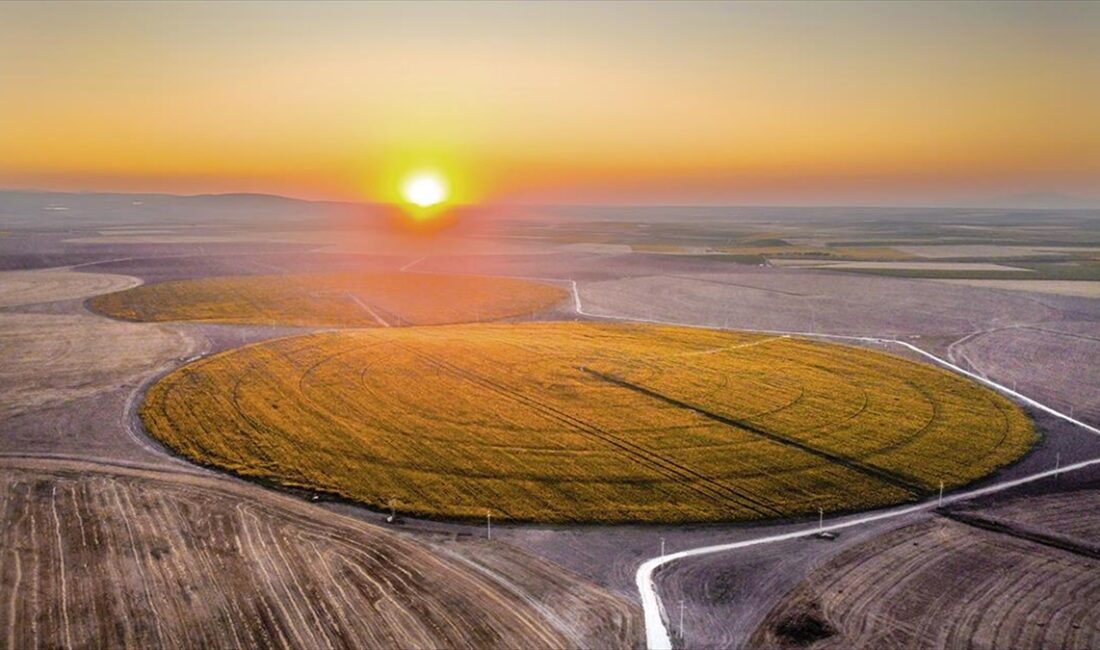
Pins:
<point x="331" y="300"/>
<point x="586" y="423"/>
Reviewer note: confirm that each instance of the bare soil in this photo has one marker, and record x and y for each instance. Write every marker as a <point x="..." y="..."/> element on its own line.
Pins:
<point x="1020" y="574"/>
<point x="48" y="285"/>
<point x="53" y="358"/>
<point x="109" y="556"/>
<point x="1082" y="289"/>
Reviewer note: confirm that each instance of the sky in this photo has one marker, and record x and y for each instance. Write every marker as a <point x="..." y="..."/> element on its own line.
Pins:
<point x="677" y="103"/>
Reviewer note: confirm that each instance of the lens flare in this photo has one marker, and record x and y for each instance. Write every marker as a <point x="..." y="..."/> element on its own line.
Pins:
<point x="424" y="190"/>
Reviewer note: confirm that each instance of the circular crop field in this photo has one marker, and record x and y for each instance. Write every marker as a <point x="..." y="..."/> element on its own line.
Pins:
<point x="331" y="299"/>
<point x="578" y="422"/>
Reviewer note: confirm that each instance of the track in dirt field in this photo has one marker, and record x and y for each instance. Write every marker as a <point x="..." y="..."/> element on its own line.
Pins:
<point x="104" y="555"/>
<point x="1020" y="573"/>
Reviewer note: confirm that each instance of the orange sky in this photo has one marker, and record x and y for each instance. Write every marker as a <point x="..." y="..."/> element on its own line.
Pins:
<point x="674" y="102"/>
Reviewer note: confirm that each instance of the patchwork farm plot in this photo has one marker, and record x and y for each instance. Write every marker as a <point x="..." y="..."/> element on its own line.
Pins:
<point x="97" y="556"/>
<point x="331" y="300"/>
<point x="577" y="422"/>
<point x="1019" y="574"/>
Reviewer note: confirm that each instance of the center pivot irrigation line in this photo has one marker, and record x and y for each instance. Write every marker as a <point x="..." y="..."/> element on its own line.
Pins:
<point x="657" y="633"/>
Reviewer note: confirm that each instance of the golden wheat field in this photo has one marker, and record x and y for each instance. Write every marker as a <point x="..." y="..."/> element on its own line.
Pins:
<point x="331" y="300"/>
<point x="579" y="422"/>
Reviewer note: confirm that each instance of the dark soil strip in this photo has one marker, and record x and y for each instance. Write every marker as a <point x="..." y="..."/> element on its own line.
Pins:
<point x="885" y="476"/>
<point x="1062" y="542"/>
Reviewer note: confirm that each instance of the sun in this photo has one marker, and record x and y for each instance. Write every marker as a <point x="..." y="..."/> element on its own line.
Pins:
<point x="424" y="190"/>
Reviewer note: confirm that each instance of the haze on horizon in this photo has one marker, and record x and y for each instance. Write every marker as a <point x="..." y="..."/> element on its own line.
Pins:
<point x="555" y="102"/>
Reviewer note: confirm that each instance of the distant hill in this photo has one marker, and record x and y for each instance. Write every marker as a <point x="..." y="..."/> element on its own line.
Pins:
<point x="92" y="208"/>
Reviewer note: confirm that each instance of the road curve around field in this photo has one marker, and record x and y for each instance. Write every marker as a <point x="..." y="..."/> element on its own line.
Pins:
<point x="657" y="634"/>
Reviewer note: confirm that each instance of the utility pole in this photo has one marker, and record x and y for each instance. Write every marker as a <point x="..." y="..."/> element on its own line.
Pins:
<point x="681" y="620"/>
<point x="662" y="547"/>
<point x="820" y="518"/>
<point x="1057" y="464"/>
<point x="941" y="494"/>
<point x="488" y="524"/>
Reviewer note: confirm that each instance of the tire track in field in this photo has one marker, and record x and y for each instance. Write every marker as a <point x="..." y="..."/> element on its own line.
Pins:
<point x="1012" y="529"/>
<point x="157" y="537"/>
<point x="696" y="481"/>
<point x="885" y="476"/>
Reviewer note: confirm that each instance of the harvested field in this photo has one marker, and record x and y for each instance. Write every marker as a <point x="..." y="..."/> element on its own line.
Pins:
<point x="947" y="584"/>
<point x="804" y="300"/>
<point x="52" y="358"/>
<point x="48" y="285"/>
<point x="1078" y="288"/>
<point x="93" y="555"/>
<point x="1074" y="514"/>
<point x="988" y="251"/>
<point x="331" y="300"/>
<point x="922" y="266"/>
<point x="811" y="254"/>
<point x="582" y="422"/>
<point x="1054" y="362"/>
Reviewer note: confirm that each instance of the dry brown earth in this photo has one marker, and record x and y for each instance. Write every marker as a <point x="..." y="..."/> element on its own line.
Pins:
<point x="927" y="266"/>
<point x="51" y="358"/>
<point x="101" y="556"/>
<point x="48" y="285"/>
<point x="946" y="584"/>
<point x="812" y="301"/>
<point x="1055" y="362"/>
<point x="1081" y="289"/>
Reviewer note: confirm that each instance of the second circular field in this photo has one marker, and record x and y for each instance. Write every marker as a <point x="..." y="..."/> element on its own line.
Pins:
<point x="568" y="422"/>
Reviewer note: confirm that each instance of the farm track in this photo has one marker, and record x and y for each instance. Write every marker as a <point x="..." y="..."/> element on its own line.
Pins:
<point x="708" y="487"/>
<point x="892" y="478"/>
<point x="658" y="635"/>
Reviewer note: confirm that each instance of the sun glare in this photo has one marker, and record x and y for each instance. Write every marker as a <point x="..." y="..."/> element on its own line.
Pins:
<point x="424" y="190"/>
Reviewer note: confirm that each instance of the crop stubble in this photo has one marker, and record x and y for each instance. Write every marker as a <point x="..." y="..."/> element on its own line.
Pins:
<point x="100" y="556"/>
<point x="946" y="584"/>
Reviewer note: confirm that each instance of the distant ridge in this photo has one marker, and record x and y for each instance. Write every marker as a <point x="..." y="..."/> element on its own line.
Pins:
<point x="91" y="209"/>
<point x="227" y="197"/>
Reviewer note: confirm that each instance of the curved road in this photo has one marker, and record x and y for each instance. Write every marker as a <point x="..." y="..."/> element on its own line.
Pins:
<point x="657" y="634"/>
